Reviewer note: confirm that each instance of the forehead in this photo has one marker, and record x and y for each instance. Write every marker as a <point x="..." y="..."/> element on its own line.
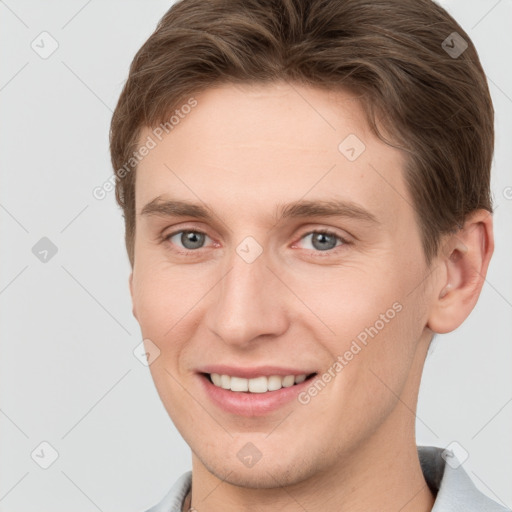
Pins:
<point x="267" y="144"/>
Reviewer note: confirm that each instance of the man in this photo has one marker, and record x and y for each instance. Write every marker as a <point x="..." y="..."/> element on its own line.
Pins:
<point x="306" y="195"/>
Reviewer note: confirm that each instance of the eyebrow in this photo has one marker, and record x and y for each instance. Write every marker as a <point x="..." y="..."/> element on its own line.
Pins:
<point x="296" y="209"/>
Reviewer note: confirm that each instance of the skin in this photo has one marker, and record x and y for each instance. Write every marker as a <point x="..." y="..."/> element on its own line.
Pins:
<point x="243" y="151"/>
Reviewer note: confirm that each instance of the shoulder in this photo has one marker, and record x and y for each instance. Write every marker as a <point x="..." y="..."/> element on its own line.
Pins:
<point x="453" y="487"/>
<point x="173" y="500"/>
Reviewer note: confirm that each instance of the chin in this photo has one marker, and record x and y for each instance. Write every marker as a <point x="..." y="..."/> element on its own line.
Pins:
<point x="269" y="474"/>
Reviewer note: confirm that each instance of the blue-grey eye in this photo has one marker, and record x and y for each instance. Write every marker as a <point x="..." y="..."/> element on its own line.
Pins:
<point x="188" y="239"/>
<point x="322" y="241"/>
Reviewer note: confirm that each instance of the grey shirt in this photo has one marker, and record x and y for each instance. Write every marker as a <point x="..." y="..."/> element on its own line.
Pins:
<point x="450" y="484"/>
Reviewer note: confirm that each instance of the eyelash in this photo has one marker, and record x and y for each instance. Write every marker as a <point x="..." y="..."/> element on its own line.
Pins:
<point x="344" y="241"/>
<point x="191" y="252"/>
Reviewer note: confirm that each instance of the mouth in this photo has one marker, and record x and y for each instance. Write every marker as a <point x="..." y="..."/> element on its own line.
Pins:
<point x="257" y="385"/>
<point x="253" y="391"/>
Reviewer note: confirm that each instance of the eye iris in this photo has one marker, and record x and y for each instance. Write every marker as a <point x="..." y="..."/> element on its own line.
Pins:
<point x="192" y="239"/>
<point x="320" y="238"/>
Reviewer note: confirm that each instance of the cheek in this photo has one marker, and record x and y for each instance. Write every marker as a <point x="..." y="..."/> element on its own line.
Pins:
<point x="389" y="343"/>
<point x="370" y="323"/>
<point x="344" y="303"/>
<point x="164" y="299"/>
<point x="165" y="304"/>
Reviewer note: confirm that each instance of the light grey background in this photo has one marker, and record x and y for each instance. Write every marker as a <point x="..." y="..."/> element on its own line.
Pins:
<point x="68" y="375"/>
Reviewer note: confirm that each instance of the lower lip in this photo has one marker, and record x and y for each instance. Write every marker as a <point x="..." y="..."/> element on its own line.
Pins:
<point x="251" y="404"/>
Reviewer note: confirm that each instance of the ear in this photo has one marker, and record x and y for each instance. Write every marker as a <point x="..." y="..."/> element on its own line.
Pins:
<point x="464" y="260"/>
<point x="130" y="282"/>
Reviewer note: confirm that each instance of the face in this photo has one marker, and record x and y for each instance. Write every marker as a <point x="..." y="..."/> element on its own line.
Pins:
<point x="275" y="236"/>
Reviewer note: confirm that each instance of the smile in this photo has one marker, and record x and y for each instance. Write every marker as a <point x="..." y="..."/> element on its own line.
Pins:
<point x="261" y="384"/>
<point x="254" y="396"/>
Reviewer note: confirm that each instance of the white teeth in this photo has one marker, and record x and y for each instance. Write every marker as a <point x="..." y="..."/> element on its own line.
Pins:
<point x="225" y="381"/>
<point x="288" y="381"/>
<point x="258" y="384"/>
<point x="238" y="384"/>
<point x="274" y="383"/>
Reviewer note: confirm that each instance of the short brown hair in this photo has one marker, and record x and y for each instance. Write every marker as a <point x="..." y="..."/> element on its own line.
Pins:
<point x="412" y="73"/>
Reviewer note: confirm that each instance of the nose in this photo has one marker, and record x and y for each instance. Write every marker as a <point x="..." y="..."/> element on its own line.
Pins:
<point x="248" y="303"/>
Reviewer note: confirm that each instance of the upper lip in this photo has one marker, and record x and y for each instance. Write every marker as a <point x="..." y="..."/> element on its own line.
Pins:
<point x="255" y="371"/>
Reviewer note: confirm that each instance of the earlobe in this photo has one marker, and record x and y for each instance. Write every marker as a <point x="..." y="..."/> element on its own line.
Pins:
<point x="465" y="260"/>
